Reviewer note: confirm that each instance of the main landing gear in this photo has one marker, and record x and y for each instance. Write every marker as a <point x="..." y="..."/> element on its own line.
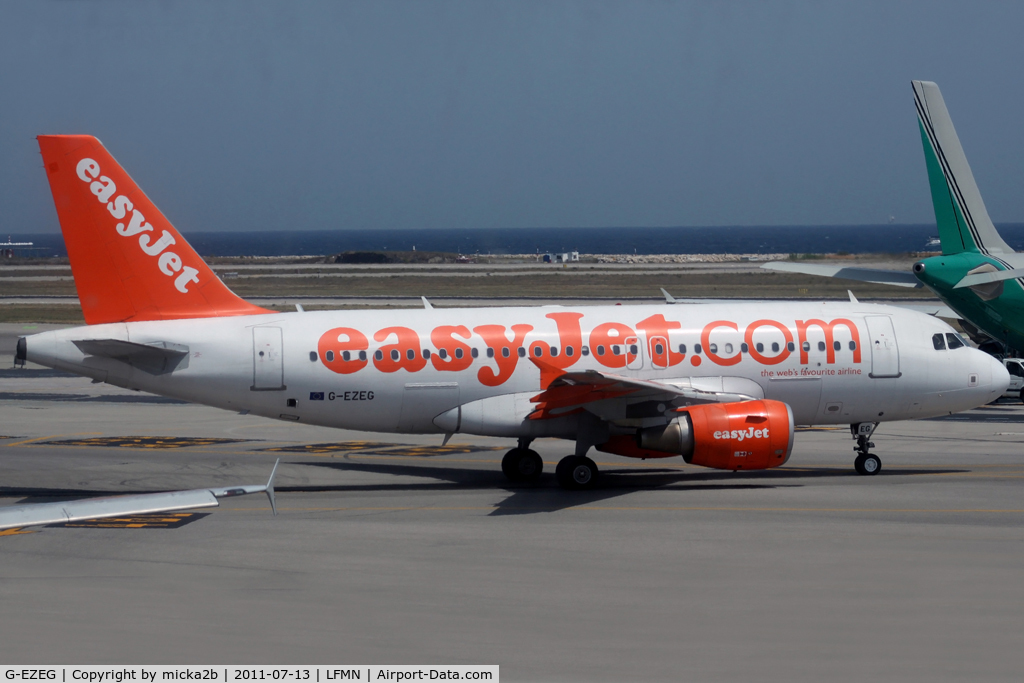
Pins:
<point x="866" y="462"/>
<point x="522" y="465"/>
<point x="576" y="472"/>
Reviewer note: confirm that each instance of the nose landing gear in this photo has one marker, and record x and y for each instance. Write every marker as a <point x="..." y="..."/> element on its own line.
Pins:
<point x="867" y="463"/>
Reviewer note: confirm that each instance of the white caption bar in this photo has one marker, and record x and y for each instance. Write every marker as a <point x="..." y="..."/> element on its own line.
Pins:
<point x="248" y="674"/>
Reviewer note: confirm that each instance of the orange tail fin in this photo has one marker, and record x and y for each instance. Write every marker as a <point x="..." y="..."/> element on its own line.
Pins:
<point x="128" y="261"/>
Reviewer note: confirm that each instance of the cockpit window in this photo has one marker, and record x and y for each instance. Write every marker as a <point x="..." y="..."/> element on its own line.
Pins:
<point x="938" y="342"/>
<point x="954" y="340"/>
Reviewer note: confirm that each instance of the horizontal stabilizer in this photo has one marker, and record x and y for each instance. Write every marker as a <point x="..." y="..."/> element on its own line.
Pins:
<point x="988" y="278"/>
<point x="156" y="358"/>
<point x="896" y="278"/>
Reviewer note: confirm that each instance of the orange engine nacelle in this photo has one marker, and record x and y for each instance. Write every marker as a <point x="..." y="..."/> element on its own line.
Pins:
<point x="749" y="435"/>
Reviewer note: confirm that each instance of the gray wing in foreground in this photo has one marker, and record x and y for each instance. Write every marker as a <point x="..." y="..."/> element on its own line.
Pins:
<point x="38" y="514"/>
<point x="897" y="278"/>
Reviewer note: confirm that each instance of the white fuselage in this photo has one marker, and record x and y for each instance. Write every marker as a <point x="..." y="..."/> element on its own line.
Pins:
<point x="832" y="363"/>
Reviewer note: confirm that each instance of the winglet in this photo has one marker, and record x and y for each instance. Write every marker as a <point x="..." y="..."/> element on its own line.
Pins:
<point x="270" y="487"/>
<point x="426" y="304"/>
<point x="853" y="299"/>
<point x="669" y="299"/>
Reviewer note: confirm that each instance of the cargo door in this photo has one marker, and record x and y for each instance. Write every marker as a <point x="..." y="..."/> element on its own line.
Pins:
<point x="885" y="354"/>
<point x="267" y="360"/>
<point x="802" y="394"/>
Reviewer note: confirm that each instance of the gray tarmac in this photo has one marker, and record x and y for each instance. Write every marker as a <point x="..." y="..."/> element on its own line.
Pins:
<point x="389" y="549"/>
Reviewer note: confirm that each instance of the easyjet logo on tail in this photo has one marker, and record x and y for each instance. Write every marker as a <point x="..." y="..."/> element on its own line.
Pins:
<point x="168" y="262"/>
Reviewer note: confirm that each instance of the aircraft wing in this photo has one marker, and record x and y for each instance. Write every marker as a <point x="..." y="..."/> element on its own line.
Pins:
<point x="37" y="514"/>
<point x="896" y="278"/>
<point x="574" y="391"/>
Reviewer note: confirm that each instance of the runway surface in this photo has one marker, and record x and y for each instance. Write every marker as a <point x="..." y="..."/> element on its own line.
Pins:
<point x="390" y="549"/>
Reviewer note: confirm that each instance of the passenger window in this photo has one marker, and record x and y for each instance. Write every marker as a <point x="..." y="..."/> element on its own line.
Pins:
<point x="394" y="354"/>
<point x="775" y="347"/>
<point x="345" y="355"/>
<point x="837" y="345"/>
<point x="953" y="341"/>
<point x="490" y="352"/>
<point x="473" y="352"/>
<point x="791" y="347"/>
<point x="458" y="353"/>
<point x="712" y="348"/>
<point x="696" y="348"/>
<point x="744" y="348"/>
<point x="616" y="350"/>
<point x="853" y="346"/>
<point x="312" y="356"/>
<point x="806" y="346"/>
<point x="682" y="348"/>
<point x="821" y="346"/>
<point x="585" y="350"/>
<point x="659" y="349"/>
<point x="506" y="352"/>
<point x="633" y="349"/>
<point x="569" y="351"/>
<point x="362" y="356"/>
<point x="443" y="353"/>
<point x="378" y="355"/>
<point x="410" y="354"/>
<point x="759" y="346"/>
<point x="938" y="342"/>
<point x="536" y="352"/>
<point x="330" y="356"/>
<point x="426" y="354"/>
<point x="600" y="349"/>
<point x="554" y="351"/>
<point x="521" y="351"/>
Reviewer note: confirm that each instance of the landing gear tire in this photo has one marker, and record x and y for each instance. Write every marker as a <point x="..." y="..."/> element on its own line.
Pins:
<point x="522" y="465"/>
<point x="576" y="473"/>
<point x="867" y="464"/>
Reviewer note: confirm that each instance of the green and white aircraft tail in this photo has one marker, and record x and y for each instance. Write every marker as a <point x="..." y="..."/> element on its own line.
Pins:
<point x="964" y="224"/>
<point x="978" y="276"/>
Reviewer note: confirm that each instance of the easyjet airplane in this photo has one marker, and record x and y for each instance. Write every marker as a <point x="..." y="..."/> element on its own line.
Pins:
<point x="721" y="385"/>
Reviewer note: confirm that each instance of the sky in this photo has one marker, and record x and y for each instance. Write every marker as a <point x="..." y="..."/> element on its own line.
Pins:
<point x="236" y="116"/>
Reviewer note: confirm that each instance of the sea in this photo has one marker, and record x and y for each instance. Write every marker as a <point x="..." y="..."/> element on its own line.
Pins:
<point x="853" y="239"/>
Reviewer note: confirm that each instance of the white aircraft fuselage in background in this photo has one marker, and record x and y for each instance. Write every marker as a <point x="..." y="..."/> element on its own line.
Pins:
<point x="720" y="383"/>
